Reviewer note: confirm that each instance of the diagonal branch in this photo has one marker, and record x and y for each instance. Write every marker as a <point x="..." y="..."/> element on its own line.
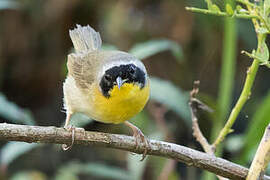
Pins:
<point x="54" y="135"/>
<point x="262" y="157"/>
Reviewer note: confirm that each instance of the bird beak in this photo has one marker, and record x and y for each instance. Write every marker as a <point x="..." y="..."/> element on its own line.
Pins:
<point x="119" y="82"/>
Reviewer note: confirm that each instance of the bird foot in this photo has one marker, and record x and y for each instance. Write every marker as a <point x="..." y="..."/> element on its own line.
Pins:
<point x="66" y="147"/>
<point x="139" y="137"/>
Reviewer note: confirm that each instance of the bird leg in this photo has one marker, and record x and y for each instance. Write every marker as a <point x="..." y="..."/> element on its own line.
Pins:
<point x="139" y="136"/>
<point x="68" y="128"/>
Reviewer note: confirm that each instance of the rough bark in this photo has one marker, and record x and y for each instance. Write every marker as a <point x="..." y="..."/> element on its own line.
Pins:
<point x="54" y="135"/>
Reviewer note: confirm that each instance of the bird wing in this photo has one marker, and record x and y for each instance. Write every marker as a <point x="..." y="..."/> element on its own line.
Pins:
<point x="83" y="69"/>
<point x="83" y="63"/>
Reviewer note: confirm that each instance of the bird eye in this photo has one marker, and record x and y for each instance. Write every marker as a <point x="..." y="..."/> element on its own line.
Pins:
<point x="107" y="77"/>
<point x="132" y="70"/>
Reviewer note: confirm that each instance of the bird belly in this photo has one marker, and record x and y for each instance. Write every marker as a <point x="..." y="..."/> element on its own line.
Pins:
<point x="123" y="103"/>
<point x="74" y="99"/>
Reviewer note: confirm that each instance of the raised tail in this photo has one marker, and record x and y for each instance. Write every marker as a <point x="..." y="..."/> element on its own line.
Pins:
<point x="85" y="38"/>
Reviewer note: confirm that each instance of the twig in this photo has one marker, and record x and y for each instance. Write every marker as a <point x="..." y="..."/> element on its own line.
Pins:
<point x="194" y="105"/>
<point x="253" y="56"/>
<point x="219" y="13"/>
<point x="39" y="134"/>
<point x="251" y="6"/>
<point x="262" y="157"/>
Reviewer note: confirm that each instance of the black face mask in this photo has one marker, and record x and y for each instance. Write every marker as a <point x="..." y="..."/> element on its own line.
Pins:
<point x="129" y="73"/>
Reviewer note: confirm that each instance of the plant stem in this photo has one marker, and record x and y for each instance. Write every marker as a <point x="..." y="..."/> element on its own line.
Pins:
<point x="219" y="13"/>
<point x="247" y="3"/>
<point x="226" y="81"/>
<point x="227" y="72"/>
<point x="246" y="92"/>
<point x="250" y="6"/>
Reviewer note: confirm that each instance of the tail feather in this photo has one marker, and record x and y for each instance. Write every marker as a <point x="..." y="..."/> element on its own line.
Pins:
<point x="85" y="38"/>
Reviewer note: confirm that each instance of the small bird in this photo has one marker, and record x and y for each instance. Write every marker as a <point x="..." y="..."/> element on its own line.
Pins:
<point x="107" y="86"/>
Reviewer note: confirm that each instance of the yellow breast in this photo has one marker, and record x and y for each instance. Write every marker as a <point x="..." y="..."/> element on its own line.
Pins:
<point x="122" y="104"/>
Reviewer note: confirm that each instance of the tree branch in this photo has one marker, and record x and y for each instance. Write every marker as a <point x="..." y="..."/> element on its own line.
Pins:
<point x="39" y="134"/>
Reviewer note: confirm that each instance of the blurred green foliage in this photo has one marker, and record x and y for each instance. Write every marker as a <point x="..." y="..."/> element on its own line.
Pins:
<point x="149" y="48"/>
<point x="73" y="169"/>
<point x="176" y="99"/>
<point x="14" y="113"/>
<point x="13" y="150"/>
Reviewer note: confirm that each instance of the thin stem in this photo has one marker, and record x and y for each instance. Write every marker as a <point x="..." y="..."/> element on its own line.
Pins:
<point x="250" y="7"/>
<point x="265" y="23"/>
<point x="194" y="104"/>
<point x="246" y="92"/>
<point x="219" y="13"/>
<point x="227" y="72"/>
<point x="226" y="81"/>
<point x="247" y="3"/>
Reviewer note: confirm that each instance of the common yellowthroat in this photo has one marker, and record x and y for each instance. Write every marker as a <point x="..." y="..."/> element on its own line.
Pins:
<point x="107" y="86"/>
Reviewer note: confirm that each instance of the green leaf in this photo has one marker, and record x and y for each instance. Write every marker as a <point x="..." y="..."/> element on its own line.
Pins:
<point x="229" y="9"/>
<point x="73" y="169"/>
<point x="174" y="98"/>
<point x="14" y="113"/>
<point x="256" y="128"/>
<point x="149" y="48"/>
<point x="12" y="150"/>
<point x="215" y="8"/>
<point x="263" y="53"/>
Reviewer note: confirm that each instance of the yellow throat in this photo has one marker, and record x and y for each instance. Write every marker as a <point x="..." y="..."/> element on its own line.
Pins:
<point x="123" y="103"/>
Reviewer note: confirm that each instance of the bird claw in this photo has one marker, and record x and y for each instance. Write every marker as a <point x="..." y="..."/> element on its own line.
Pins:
<point x="66" y="147"/>
<point x="139" y="136"/>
